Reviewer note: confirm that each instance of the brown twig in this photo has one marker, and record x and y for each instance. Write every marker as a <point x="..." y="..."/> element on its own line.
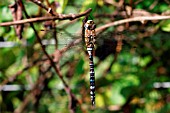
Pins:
<point x="12" y="78"/>
<point x="153" y="4"/>
<point x="99" y="29"/>
<point x="135" y="19"/>
<point x="39" y="3"/>
<point x="43" y="47"/>
<point x="40" y="19"/>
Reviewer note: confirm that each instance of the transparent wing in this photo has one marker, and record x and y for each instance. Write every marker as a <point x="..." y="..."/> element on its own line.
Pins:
<point x="111" y="43"/>
<point x="106" y="43"/>
<point x="68" y="43"/>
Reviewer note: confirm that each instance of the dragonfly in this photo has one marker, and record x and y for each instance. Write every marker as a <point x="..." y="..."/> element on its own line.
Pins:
<point x="89" y="37"/>
<point x="90" y="41"/>
<point x="99" y="43"/>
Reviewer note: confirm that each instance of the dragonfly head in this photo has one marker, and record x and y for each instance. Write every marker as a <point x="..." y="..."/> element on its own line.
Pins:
<point x="90" y="25"/>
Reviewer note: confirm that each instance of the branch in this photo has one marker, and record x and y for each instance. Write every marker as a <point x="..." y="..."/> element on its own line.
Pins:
<point x="99" y="29"/>
<point x="135" y="19"/>
<point x="39" y="3"/>
<point x="40" y="19"/>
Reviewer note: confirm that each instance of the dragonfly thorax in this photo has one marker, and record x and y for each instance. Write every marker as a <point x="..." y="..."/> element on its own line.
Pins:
<point x="90" y="34"/>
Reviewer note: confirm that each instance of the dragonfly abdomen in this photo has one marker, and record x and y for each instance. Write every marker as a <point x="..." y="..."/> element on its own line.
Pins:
<point x="92" y="75"/>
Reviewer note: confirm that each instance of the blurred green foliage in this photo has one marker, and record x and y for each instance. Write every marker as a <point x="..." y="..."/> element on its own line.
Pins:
<point x="124" y="80"/>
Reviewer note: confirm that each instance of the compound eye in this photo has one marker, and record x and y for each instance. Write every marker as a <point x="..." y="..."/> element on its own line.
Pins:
<point x="89" y="27"/>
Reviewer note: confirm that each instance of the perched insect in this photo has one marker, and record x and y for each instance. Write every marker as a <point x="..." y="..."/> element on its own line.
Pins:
<point x="89" y="38"/>
<point x="107" y="43"/>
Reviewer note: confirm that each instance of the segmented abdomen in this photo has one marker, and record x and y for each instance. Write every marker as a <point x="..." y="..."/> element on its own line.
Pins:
<point x="92" y="75"/>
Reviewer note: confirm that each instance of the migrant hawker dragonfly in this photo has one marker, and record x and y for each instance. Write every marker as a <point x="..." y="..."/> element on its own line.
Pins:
<point x="103" y="45"/>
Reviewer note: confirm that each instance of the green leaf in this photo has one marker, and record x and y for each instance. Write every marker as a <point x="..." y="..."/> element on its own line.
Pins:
<point x="5" y="14"/>
<point x="89" y="4"/>
<point x="144" y="61"/>
<point x="116" y="97"/>
<point x="100" y="100"/>
<point x="166" y="25"/>
<point x="7" y="58"/>
<point x="62" y="4"/>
